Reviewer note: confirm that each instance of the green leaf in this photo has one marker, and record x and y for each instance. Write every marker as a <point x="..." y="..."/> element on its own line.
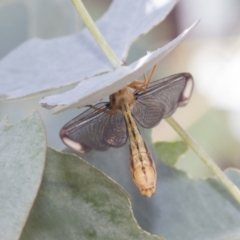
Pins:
<point x="181" y="208"/>
<point x="200" y="209"/>
<point x="22" y="158"/>
<point x="169" y="152"/>
<point x="77" y="201"/>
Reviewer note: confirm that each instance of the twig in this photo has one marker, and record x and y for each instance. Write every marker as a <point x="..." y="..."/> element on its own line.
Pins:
<point x="205" y="158"/>
<point x="109" y="53"/>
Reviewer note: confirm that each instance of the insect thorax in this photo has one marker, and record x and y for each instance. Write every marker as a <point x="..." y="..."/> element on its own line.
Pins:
<point x="124" y="95"/>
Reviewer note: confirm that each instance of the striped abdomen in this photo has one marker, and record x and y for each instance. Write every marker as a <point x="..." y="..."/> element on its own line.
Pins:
<point x="142" y="165"/>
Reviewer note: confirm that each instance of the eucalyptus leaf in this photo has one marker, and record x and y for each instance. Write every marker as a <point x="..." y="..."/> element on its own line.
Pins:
<point x="22" y="159"/>
<point x="98" y="87"/>
<point x="77" y="201"/>
<point x="181" y="208"/>
<point x="42" y="65"/>
<point x="169" y="152"/>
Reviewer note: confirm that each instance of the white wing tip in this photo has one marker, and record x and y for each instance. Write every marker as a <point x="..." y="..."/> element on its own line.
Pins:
<point x="187" y="92"/>
<point x="72" y="144"/>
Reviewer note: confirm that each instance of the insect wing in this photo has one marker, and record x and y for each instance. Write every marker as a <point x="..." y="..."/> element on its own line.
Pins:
<point x="94" y="129"/>
<point x="162" y="98"/>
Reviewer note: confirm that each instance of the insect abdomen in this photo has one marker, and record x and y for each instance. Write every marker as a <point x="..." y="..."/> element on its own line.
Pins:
<point x="142" y="166"/>
<point x="143" y="172"/>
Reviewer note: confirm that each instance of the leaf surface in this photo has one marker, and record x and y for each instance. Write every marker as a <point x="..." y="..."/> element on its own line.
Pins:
<point x="98" y="87"/>
<point x="77" y="201"/>
<point x="181" y="208"/>
<point x="169" y="152"/>
<point x="42" y="65"/>
<point x="22" y="159"/>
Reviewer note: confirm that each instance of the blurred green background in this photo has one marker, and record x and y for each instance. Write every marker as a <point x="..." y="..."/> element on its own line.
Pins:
<point x="211" y="54"/>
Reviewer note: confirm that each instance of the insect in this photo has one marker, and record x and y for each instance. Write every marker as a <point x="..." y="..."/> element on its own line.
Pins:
<point x="110" y="124"/>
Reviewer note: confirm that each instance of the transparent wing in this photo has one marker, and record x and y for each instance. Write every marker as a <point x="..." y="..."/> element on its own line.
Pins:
<point x="162" y="98"/>
<point x="94" y="129"/>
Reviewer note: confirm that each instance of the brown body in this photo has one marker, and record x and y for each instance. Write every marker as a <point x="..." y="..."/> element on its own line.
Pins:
<point x="142" y="165"/>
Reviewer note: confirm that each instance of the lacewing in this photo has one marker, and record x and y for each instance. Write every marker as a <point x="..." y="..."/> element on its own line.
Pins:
<point x="110" y="124"/>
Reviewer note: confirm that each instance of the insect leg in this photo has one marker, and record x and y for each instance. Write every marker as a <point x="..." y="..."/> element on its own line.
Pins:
<point x="110" y="112"/>
<point x="150" y="76"/>
<point x="143" y="85"/>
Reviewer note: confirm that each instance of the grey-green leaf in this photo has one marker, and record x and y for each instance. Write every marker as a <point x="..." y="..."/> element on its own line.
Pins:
<point x="42" y="65"/>
<point x="200" y="209"/>
<point x="22" y="158"/>
<point x="181" y="208"/>
<point x="91" y="91"/>
<point x="77" y="201"/>
<point x="169" y="152"/>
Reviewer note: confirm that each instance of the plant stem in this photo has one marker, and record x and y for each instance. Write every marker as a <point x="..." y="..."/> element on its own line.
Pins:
<point x="205" y="158"/>
<point x="109" y="53"/>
